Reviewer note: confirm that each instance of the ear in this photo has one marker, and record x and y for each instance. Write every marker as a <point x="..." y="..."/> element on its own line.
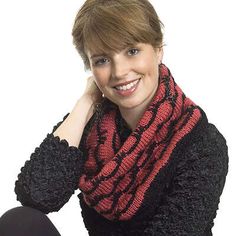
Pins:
<point x="160" y="53"/>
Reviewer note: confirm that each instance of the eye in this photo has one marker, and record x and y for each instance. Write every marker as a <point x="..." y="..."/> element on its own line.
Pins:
<point x="101" y="61"/>
<point x="133" y="51"/>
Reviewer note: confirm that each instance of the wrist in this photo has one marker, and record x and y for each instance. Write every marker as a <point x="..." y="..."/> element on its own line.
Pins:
<point x="87" y="105"/>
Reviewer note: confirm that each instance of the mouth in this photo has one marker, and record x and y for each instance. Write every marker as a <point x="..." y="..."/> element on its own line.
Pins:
<point x="128" y="86"/>
<point x="127" y="89"/>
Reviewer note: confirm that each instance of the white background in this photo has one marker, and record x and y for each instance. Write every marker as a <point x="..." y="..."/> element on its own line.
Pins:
<point x="42" y="76"/>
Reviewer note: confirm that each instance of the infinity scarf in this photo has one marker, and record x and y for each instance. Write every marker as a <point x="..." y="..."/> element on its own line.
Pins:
<point x="117" y="175"/>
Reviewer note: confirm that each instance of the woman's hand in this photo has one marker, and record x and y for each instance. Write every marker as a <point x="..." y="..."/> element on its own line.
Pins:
<point x="92" y="91"/>
<point x="91" y="97"/>
<point x="73" y="126"/>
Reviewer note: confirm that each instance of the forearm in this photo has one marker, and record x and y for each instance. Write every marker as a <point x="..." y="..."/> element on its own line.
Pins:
<point x="47" y="181"/>
<point x="73" y="126"/>
<point x="49" y="178"/>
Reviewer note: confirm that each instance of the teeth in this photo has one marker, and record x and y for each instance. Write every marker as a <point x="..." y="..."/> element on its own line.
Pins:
<point x="127" y="86"/>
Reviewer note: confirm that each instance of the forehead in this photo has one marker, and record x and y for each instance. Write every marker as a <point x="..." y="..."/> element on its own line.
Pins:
<point x="106" y="40"/>
<point x="95" y="52"/>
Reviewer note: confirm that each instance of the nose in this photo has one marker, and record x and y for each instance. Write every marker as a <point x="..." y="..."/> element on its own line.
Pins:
<point x="120" y="67"/>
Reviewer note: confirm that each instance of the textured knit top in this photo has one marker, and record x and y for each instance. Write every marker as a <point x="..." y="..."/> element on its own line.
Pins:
<point x="187" y="200"/>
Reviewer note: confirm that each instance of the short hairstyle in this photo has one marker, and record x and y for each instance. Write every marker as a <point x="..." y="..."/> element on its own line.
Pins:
<point x="112" y="25"/>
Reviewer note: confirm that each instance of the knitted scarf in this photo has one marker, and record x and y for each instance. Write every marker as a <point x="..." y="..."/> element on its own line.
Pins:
<point x="117" y="175"/>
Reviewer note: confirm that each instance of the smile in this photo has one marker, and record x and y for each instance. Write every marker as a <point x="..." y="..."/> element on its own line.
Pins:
<point x="128" y="89"/>
<point x="127" y="86"/>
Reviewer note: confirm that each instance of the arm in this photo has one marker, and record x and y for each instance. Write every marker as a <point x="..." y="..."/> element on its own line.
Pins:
<point x="72" y="128"/>
<point x="49" y="178"/>
<point x="190" y="207"/>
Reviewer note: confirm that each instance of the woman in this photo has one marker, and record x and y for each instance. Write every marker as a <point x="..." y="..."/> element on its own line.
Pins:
<point x="143" y="154"/>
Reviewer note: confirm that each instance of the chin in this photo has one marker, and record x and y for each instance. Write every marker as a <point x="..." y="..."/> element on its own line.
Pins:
<point x="130" y="104"/>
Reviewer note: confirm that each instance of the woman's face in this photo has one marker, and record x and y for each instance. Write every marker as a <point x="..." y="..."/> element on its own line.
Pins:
<point x="128" y="78"/>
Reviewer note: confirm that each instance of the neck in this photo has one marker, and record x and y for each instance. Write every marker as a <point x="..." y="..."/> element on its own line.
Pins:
<point x="133" y="115"/>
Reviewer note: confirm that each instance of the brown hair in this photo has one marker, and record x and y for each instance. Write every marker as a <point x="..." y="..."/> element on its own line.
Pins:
<point x="111" y="25"/>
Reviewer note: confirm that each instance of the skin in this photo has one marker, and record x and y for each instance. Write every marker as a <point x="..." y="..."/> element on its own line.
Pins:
<point x="140" y="61"/>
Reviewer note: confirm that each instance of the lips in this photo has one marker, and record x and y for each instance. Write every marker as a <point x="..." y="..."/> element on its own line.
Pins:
<point x="128" y="89"/>
<point x="126" y="83"/>
<point x="127" y="86"/>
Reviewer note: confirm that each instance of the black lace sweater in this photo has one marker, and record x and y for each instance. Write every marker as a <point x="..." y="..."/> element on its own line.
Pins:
<point x="187" y="201"/>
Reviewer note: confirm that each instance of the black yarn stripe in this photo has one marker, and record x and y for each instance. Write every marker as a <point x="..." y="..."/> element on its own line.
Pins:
<point x="114" y="142"/>
<point x="167" y="93"/>
<point x="173" y="100"/>
<point x="119" y="157"/>
<point x="121" y="127"/>
<point x="153" y="145"/>
<point x="116" y="197"/>
<point x="152" y="165"/>
<point x="97" y="182"/>
<point x="133" y="172"/>
<point x="101" y="140"/>
<point x="190" y="113"/>
<point x="102" y="196"/>
<point x="174" y="122"/>
<point x="135" y="165"/>
<point x="107" y="195"/>
<point x="134" y="193"/>
<point x="150" y="148"/>
<point x="98" y="198"/>
<point x="140" y="130"/>
<point x="118" y="214"/>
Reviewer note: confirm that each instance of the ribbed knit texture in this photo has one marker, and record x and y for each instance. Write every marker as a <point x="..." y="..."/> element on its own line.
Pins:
<point x="116" y="177"/>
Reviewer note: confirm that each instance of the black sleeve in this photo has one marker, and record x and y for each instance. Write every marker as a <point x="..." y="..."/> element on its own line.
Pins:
<point x="190" y="207"/>
<point x="48" y="180"/>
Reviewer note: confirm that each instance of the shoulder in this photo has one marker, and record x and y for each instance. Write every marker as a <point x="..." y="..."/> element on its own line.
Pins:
<point x="205" y="149"/>
<point x="209" y="138"/>
<point x="205" y="137"/>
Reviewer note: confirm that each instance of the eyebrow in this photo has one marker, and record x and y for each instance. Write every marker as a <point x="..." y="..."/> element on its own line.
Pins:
<point x="98" y="55"/>
<point x="105" y="55"/>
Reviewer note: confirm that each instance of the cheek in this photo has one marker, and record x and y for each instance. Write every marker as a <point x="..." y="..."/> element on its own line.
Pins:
<point x="148" y="67"/>
<point x="101" y="78"/>
<point x="98" y="84"/>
